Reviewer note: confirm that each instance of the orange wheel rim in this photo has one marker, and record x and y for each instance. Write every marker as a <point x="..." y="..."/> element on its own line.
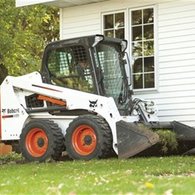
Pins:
<point x="84" y="140"/>
<point x="36" y="142"/>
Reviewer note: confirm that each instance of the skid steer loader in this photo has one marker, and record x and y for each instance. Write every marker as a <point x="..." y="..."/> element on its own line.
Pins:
<point x="81" y="103"/>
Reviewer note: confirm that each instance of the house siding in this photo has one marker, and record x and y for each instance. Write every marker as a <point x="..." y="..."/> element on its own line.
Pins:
<point x="175" y="93"/>
<point x="176" y="44"/>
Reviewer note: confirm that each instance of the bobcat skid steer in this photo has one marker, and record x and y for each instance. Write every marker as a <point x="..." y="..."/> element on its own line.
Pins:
<point x="81" y="103"/>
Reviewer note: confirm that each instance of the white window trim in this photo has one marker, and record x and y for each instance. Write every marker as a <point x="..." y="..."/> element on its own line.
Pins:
<point x="156" y="82"/>
<point x="115" y="12"/>
<point x="128" y="36"/>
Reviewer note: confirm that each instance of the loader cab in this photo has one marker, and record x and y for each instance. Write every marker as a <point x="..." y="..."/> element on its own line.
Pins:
<point x="93" y="64"/>
<point x="68" y="65"/>
<point x="110" y="64"/>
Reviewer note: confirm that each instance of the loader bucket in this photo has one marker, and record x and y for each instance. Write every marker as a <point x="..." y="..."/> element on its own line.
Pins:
<point x="183" y="132"/>
<point x="133" y="139"/>
<point x="185" y="136"/>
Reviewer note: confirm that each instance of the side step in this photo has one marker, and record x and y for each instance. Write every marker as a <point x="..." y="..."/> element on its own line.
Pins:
<point x="133" y="139"/>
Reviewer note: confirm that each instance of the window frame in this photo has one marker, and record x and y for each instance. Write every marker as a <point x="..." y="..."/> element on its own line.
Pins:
<point x="49" y="74"/>
<point x="128" y="35"/>
<point x="155" y="45"/>
<point x="115" y="12"/>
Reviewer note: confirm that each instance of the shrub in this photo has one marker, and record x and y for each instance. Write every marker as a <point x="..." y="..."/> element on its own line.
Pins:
<point x="168" y="140"/>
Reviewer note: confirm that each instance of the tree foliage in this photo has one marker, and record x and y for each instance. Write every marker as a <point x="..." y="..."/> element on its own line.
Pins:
<point x="24" y="33"/>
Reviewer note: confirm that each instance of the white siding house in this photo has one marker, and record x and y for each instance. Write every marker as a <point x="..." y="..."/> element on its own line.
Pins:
<point x="164" y="32"/>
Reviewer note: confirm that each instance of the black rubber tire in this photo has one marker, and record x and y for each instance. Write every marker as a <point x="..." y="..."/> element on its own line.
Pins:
<point x="16" y="147"/>
<point x="55" y="145"/>
<point x="103" y="134"/>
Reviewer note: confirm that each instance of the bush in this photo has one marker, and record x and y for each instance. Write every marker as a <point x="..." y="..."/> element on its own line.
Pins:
<point x="168" y="141"/>
<point x="11" y="158"/>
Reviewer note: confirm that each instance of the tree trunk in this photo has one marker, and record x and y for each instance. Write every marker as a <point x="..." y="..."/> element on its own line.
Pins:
<point x="3" y="73"/>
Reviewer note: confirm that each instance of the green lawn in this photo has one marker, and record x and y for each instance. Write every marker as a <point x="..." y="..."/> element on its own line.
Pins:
<point x="164" y="175"/>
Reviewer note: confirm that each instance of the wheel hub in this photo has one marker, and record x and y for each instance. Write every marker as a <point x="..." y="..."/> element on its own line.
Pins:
<point x="87" y="140"/>
<point x="40" y="142"/>
<point x="84" y="140"/>
<point x="37" y="142"/>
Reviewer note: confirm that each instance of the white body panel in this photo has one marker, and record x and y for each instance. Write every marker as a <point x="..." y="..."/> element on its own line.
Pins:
<point x="13" y="115"/>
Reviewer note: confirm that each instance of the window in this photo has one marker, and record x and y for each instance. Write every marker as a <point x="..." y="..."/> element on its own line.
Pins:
<point x="142" y="40"/>
<point x="69" y="67"/>
<point x="109" y="61"/>
<point x="114" y="25"/>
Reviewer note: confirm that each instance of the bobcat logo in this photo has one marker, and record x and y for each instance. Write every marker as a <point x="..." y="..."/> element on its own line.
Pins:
<point x="93" y="104"/>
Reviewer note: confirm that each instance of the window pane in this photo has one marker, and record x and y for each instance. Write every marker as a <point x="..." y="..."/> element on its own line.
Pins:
<point x="108" y="21"/>
<point x="149" y="80"/>
<point x="148" y="48"/>
<point x="137" y="49"/>
<point x="148" y="31"/>
<point x="149" y="64"/>
<point x="119" y="20"/>
<point x="114" y="25"/>
<point x="137" y="67"/>
<point x="120" y="33"/>
<point x="138" y="81"/>
<point x="59" y="62"/>
<point x="109" y="33"/>
<point x="143" y="48"/>
<point x="137" y="17"/>
<point x="69" y="67"/>
<point x="148" y="15"/>
<point x="109" y="64"/>
<point x="137" y="33"/>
